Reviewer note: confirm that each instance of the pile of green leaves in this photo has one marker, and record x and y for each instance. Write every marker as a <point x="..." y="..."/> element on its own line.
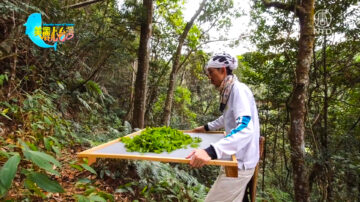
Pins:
<point x="160" y="139"/>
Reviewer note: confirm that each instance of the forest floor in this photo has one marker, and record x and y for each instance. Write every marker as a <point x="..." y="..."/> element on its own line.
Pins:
<point x="68" y="179"/>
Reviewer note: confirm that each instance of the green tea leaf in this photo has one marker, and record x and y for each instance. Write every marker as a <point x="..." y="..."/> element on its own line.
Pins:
<point x="159" y="139"/>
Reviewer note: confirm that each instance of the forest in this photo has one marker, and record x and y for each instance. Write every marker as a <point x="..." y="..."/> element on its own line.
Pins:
<point x="111" y="67"/>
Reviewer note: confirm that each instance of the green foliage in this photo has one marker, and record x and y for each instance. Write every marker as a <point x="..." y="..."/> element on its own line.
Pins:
<point x="39" y="119"/>
<point x="270" y="71"/>
<point x="3" y="113"/>
<point x="42" y="118"/>
<point x="171" y="12"/>
<point x="91" y="193"/>
<point x="357" y="58"/>
<point x="45" y="183"/>
<point x="34" y="181"/>
<point x="127" y="188"/>
<point x="159" y="139"/>
<point x="52" y="144"/>
<point x="42" y="160"/>
<point x="48" y="112"/>
<point x="88" y="168"/>
<point x="3" y="77"/>
<point x="183" y="116"/>
<point x="94" y="89"/>
<point x="274" y="194"/>
<point x="161" y="182"/>
<point x="194" y="36"/>
<point x="7" y="173"/>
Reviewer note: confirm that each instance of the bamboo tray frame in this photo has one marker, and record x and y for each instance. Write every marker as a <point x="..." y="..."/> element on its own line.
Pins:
<point x="231" y="167"/>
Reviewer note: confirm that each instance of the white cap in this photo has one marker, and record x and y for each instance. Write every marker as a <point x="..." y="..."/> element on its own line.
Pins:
<point x="220" y="60"/>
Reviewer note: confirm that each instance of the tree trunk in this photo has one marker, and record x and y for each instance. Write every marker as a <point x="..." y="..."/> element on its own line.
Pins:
<point x="327" y="152"/>
<point x="297" y="105"/>
<point x="176" y="66"/>
<point x="12" y="74"/>
<point x="153" y="92"/>
<point x="143" y="65"/>
<point x="265" y="150"/>
<point x="169" y="98"/>
<point x="284" y="151"/>
<point x="13" y="66"/>
<point x="128" y="116"/>
<point x="298" y="101"/>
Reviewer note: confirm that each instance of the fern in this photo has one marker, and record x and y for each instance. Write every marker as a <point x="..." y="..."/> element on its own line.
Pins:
<point x="84" y="103"/>
<point x="93" y="88"/>
<point x="19" y="7"/>
<point x="166" y="183"/>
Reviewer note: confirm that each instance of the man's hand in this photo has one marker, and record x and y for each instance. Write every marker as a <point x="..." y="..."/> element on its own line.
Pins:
<point x="199" y="158"/>
<point x="200" y="129"/>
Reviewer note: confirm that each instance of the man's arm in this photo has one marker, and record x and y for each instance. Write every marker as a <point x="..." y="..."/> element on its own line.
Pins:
<point x="241" y="135"/>
<point x="238" y="138"/>
<point x="199" y="157"/>
<point x="216" y="124"/>
<point x="230" y="144"/>
<point x="213" y="125"/>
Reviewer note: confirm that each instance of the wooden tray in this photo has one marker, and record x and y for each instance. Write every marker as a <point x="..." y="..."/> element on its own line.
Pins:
<point x="115" y="149"/>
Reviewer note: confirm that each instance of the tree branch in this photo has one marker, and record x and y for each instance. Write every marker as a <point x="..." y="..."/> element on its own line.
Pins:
<point x="283" y="6"/>
<point x="82" y="4"/>
<point x="186" y="58"/>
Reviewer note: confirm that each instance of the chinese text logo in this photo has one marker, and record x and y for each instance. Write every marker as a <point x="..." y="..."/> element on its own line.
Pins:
<point x="39" y="33"/>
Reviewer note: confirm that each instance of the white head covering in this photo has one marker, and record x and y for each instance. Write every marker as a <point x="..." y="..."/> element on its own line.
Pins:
<point x="220" y="60"/>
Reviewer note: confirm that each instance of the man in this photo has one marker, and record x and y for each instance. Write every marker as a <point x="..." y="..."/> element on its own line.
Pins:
<point x="240" y="120"/>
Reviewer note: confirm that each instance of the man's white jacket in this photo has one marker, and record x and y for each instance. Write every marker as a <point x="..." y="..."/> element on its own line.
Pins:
<point x="241" y="122"/>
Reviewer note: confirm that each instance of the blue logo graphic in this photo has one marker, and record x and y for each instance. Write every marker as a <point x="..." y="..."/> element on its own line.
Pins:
<point x="33" y="21"/>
